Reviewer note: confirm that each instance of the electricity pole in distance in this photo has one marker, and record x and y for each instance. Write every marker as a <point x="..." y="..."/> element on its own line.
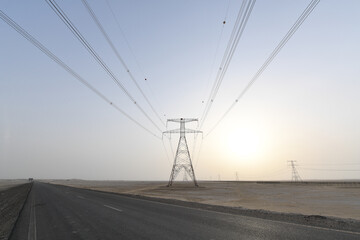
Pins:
<point x="295" y="177"/>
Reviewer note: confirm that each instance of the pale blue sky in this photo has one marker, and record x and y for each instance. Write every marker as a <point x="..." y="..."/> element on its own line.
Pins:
<point x="304" y="107"/>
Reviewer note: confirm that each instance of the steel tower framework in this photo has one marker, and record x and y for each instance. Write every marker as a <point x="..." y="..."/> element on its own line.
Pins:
<point x="182" y="159"/>
<point x="295" y="177"/>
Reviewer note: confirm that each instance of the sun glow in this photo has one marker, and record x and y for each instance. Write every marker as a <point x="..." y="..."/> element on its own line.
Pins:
<point x="243" y="143"/>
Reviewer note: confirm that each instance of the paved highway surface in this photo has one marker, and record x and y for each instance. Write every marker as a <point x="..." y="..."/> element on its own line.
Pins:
<point x="58" y="212"/>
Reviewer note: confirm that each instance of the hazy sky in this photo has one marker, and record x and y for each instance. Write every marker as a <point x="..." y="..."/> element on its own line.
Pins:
<point x="304" y="107"/>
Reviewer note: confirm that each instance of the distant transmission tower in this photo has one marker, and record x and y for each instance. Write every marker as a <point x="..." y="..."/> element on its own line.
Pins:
<point x="182" y="159"/>
<point x="236" y="176"/>
<point x="295" y="177"/>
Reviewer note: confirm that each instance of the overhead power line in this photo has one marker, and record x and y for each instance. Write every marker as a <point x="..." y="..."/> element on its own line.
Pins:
<point x="337" y="170"/>
<point x="41" y="47"/>
<point x="124" y="36"/>
<point x="217" y="49"/>
<point x="282" y="43"/>
<point x="60" y="13"/>
<point x="146" y="79"/>
<point x="331" y="164"/>
<point x="101" y="28"/>
<point x="197" y="156"/>
<point x="166" y="152"/>
<point x="211" y="74"/>
<point x="239" y="26"/>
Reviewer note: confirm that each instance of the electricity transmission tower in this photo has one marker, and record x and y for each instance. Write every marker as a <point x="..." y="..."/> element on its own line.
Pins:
<point x="236" y="176"/>
<point x="185" y="178"/>
<point x="182" y="159"/>
<point x="295" y="177"/>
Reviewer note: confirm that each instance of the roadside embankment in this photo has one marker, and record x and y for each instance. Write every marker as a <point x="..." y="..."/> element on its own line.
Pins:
<point x="11" y="203"/>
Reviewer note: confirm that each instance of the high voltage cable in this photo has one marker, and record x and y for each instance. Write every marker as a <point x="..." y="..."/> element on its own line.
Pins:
<point x="132" y="53"/>
<point x="211" y="69"/>
<point x="60" y="13"/>
<point x="230" y="49"/>
<point x="288" y="35"/>
<point x="41" y="47"/>
<point x="198" y="154"/>
<point x="124" y="36"/>
<point x="336" y="164"/>
<point x="166" y="152"/>
<point x="268" y="175"/>
<point x="137" y="62"/>
<point x="337" y="170"/>
<point x="171" y="148"/>
<point x="101" y="28"/>
<point x="217" y="47"/>
<point x="239" y="26"/>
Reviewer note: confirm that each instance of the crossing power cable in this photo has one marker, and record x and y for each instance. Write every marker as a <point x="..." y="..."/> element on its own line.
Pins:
<point x="330" y="164"/>
<point x="146" y="79"/>
<point x="166" y="152"/>
<point x="239" y="26"/>
<point x="217" y="48"/>
<point x="125" y="38"/>
<point x="171" y="147"/>
<point x="106" y="36"/>
<point x="238" y="29"/>
<point x="336" y="170"/>
<point x="213" y="64"/>
<point x="142" y="71"/>
<point x="197" y="157"/>
<point x="60" y="13"/>
<point x="278" y="48"/>
<point x="41" y="47"/>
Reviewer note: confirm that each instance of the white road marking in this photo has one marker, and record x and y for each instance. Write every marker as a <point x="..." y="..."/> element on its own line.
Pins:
<point x="32" y="224"/>
<point x="81" y="197"/>
<point x="113" y="208"/>
<point x="35" y="235"/>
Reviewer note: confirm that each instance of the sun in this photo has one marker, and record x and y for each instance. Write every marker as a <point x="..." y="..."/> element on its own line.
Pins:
<point x="243" y="143"/>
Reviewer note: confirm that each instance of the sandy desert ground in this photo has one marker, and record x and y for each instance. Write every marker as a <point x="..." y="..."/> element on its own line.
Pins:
<point x="8" y="183"/>
<point x="336" y="199"/>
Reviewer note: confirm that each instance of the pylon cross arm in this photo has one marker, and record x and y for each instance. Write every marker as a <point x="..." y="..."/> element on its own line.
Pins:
<point x="182" y="120"/>
<point x="182" y="131"/>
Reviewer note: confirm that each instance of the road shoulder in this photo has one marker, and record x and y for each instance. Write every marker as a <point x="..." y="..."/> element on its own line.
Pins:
<point x="11" y="204"/>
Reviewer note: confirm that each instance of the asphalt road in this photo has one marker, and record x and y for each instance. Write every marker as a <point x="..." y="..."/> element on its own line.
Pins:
<point x="58" y="212"/>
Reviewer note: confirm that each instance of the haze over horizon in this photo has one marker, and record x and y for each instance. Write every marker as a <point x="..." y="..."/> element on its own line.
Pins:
<point x="304" y="106"/>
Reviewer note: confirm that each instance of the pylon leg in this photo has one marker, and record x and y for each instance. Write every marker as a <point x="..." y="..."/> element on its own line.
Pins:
<point x="182" y="161"/>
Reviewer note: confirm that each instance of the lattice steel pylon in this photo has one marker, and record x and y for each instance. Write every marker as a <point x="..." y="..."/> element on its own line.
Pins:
<point x="295" y="177"/>
<point x="182" y="159"/>
<point x="185" y="177"/>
